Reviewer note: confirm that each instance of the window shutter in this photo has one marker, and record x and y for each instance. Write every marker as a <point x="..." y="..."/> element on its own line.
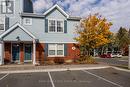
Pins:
<point x="46" y="50"/>
<point x="65" y="49"/>
<point x="46" y="25"/>
<point x="65" y="26"/>
<point x="6" y="23"/>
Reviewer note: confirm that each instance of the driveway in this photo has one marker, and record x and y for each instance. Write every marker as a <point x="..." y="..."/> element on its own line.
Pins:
<point x="107" y="77"/>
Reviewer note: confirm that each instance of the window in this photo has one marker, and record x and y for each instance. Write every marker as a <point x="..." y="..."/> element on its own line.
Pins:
<point x="2" y="23"/>
<point x="55" y="50"/>
<point x="59" y="26"/>
<point x="52" y="26"/>
<point x="52" y="49"/>
<point x="27" y="21"/>
<point x="60" y="49"/>
<point x="56" y="26"/>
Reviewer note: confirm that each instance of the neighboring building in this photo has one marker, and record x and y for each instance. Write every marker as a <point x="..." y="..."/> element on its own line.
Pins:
<point x="26" y="36"/>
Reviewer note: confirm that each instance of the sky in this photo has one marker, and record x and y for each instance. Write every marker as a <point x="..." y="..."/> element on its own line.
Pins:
<point x="116" y="11"/>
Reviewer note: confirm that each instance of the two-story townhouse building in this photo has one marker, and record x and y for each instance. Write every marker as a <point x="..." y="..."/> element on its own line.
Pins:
<point x="29" y="37"/>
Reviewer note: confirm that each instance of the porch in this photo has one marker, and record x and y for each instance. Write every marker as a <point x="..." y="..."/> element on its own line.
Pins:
<point x="18" y="53"/>
<point x="17" y="45"/>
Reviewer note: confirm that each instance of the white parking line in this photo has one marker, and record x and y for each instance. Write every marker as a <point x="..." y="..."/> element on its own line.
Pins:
<point x="4" y="76"/>
<point x="51" y="79"/>
<point x="102" y="78"/>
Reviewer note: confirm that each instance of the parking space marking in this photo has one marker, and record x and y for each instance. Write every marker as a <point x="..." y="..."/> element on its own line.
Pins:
<point x="102" y="78"/>
<point x="4" y="76"/>
<point x="51" y="79"/>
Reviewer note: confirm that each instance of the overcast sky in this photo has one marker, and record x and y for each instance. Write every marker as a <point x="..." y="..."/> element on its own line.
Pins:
<point x="116" y="11"/>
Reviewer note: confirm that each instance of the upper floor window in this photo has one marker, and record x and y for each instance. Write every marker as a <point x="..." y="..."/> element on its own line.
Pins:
<point x="2" y="23"/>
<point x="56" y="26"/>
<point x="52" y="26"/>
<point x="59" y="26"/>
<point x="27" y="21"/>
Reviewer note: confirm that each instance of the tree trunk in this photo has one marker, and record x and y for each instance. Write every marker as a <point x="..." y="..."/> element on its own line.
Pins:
<point x="102" y="50"/>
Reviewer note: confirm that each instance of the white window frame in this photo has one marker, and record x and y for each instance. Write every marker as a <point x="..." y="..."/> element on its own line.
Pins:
<point x="60" y="26"/>
<point x="55" y="25"/>
<point x="25" y="23"/>
<point x="49" y="25"/>
<point x="4" y="23"/>
<point x="55" y="51"/>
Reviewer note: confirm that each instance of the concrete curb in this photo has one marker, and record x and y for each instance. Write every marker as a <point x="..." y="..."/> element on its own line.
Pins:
<point x="120" y="69"/>
<point x="54" y="70"/>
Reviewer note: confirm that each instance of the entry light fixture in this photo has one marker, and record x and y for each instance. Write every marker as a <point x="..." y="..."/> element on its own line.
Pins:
<point x="18" y="38"/>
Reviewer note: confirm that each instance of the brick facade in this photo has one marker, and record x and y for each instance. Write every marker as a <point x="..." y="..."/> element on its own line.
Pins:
<point x="40" y="52"/>
<point x="21" y="52"/>
<point x="7" y="52"/>
<point x="71" y="54"/>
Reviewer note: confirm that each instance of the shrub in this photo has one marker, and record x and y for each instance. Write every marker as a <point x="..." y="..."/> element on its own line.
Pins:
<point x="59" y="60"/>
<point x="49" y="62"/>
<point x="6" y="61"/>
<point x="86" y="60"/>
<point x="90" y="60"/>
<point x="69" y="61"/>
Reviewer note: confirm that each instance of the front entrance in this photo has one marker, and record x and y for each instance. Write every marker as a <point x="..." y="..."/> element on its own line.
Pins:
<point x="21" y="52"/>
<point x="15" y="52"/>
<point x="27" y="52"/>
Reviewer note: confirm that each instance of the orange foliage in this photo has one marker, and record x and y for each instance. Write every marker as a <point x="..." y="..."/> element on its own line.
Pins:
<point x="94" y="31"/>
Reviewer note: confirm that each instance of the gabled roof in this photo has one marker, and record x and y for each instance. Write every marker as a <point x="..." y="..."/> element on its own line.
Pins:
<point x="48" y="11"/>
<point x="14" y="27"/>
<point x="59" y="8"/>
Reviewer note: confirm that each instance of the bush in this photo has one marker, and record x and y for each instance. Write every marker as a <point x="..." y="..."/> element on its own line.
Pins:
<point x="69" y="61"/>
<point x="86" y="60"/>
<point x="59" y="60"/>
<point x="6" y="61"/>
<point x="49" y="62"/>
<point x="90" y="60"/>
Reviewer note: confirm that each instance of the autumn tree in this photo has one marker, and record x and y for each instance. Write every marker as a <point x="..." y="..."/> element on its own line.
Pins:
<point x="93" y="32"/>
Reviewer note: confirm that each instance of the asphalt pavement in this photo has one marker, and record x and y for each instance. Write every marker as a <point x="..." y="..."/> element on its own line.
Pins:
<point x="114" y="61"/>
<point x="107" y="77"/>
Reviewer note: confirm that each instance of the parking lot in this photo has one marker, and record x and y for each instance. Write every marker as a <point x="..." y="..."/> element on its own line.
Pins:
<point x="123" y="61"/>
<point x="108" y="77"/>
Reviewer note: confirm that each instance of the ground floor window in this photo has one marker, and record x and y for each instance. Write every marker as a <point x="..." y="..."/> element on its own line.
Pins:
<point x="55" y="50"/>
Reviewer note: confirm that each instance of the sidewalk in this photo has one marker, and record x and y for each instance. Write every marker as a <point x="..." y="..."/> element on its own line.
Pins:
<point x="31" y="68"/>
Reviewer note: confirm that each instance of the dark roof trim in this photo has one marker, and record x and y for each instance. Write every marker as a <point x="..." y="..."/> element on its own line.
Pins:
<point x="74" y="18"/>
<point x="42" y="16"/>
<point x="32" y="15"/>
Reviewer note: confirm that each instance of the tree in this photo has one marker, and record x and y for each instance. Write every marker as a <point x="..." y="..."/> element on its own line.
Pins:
<point x="93" y="32"/>
<point x="122" y="39"/>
